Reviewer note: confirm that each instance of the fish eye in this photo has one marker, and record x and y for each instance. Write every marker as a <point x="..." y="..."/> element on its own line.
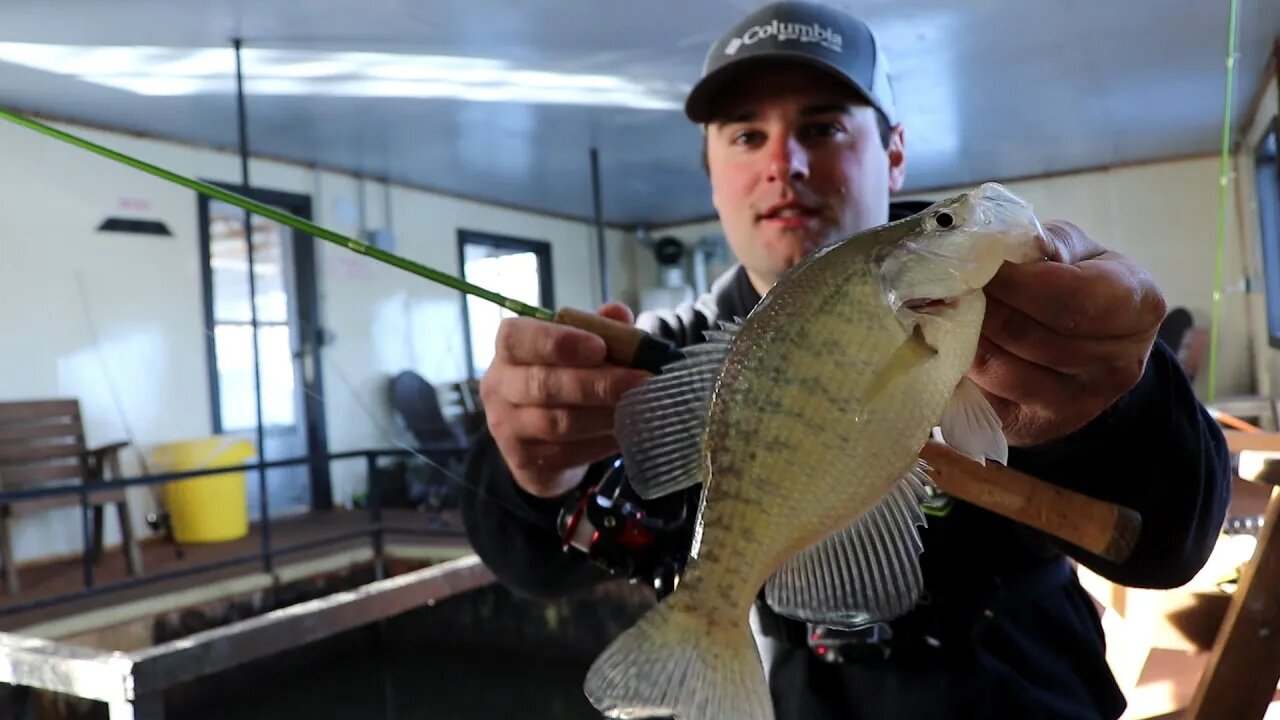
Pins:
<point x="944" y="219"/>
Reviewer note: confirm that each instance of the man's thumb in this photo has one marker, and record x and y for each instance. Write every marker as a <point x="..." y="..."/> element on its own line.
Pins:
<point x="1068" y="244"/>
<point x="617" y="311"/>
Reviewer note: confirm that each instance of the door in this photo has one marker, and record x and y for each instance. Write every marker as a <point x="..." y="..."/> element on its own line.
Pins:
<point x="290" y="396"/>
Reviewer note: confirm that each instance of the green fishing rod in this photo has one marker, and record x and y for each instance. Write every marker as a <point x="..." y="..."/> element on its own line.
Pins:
<point x="627" y="345"/>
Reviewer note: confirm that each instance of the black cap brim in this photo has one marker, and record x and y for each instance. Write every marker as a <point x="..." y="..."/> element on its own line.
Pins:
<point x="700" y="103"/>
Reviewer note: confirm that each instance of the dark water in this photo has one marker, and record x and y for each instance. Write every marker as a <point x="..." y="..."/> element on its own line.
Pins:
<point x="416" y="685"/>
<point x="481" y="655"/>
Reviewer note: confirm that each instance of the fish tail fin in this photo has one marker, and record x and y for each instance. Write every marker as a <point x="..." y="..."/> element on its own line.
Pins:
<point x="674" y="663"/>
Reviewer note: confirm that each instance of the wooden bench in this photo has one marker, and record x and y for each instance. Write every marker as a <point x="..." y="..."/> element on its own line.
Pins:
<point x="42" y="443"/>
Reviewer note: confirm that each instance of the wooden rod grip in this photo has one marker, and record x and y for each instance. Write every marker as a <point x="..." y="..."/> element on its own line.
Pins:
<point x="1098" y="526"/>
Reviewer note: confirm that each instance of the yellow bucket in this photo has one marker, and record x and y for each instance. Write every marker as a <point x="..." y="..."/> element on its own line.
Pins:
<point x="205" y="508"/>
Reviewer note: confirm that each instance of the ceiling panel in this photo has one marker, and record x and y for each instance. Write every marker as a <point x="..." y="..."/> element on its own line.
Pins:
<point x="993" y="89"/>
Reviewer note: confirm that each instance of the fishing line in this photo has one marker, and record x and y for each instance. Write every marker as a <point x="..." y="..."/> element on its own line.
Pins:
<point x="106" y="372"/>
<point x="157" y="509"/>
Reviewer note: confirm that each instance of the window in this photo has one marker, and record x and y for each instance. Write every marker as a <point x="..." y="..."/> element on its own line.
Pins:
<point x="233" y="322"/>
<point x="516" y="268"/>
<point x="1267" y="169"/>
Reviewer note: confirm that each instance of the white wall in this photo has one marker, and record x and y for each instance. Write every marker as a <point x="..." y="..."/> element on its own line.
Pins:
<point x="146" y="298"/>
<point x="1163" y="216"/>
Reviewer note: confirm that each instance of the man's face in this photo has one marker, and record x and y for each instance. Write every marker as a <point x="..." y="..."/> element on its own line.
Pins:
<point x="796" y="161"/>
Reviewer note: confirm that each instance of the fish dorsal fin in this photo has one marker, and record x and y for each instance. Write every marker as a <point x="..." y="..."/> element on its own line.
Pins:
<point x="971" y="425"/>
<point x="868" y="571"/>
<point x="660" y="424"/>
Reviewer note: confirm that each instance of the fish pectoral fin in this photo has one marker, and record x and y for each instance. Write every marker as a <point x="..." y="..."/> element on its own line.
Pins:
<point x="913" y="351"/>
<point x="659" y="425"/>
<point x="970" y="425"/>
<point x="868" y="571"/>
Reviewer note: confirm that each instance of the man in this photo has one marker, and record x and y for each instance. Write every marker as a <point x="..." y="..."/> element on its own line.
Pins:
<point x="802" y="148"/>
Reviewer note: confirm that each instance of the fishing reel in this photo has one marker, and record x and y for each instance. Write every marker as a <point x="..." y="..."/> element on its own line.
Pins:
<point x="606" y="522"/>
<point x="834" y="645"/>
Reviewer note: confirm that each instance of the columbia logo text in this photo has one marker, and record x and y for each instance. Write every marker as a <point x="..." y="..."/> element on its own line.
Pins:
<point x="785" y="32"/>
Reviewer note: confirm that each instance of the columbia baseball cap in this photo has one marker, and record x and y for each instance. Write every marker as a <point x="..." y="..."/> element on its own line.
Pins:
<point x="807" y="32"/>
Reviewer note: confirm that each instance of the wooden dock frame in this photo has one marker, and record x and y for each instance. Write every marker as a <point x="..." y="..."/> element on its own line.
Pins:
<point x="131" y="683"/>
<point x="1240" y="679"/>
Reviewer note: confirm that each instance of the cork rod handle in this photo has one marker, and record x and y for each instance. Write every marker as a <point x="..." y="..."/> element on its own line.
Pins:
<point x="628" y="346"/>
<point x="1098" y="526"/>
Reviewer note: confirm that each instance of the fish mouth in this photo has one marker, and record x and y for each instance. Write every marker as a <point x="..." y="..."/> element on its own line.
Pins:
<point x="930" y="306"/>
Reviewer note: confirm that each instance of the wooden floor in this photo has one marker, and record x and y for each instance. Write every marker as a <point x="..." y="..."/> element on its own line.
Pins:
<point x="51" y="579"/>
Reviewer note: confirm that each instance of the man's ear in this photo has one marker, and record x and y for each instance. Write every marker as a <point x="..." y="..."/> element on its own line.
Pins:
<point x="897" y="158"/>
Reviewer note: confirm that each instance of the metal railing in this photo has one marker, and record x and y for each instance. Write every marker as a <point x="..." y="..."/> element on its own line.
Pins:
<point x="376" y="530"/>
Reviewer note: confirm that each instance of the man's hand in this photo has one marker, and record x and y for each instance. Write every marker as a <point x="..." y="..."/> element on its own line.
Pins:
<point x="549" y="399"/>
<point x="1062" y="340"/>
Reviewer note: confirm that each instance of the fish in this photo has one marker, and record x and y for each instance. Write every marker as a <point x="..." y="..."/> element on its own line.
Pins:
<point x="804" y="423"/>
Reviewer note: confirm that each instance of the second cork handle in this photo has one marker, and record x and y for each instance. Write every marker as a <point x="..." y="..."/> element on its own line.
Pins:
<point x="1098" y="526"/>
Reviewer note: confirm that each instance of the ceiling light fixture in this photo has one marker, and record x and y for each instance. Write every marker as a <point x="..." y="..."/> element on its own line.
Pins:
<point x="165" y="71"/>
